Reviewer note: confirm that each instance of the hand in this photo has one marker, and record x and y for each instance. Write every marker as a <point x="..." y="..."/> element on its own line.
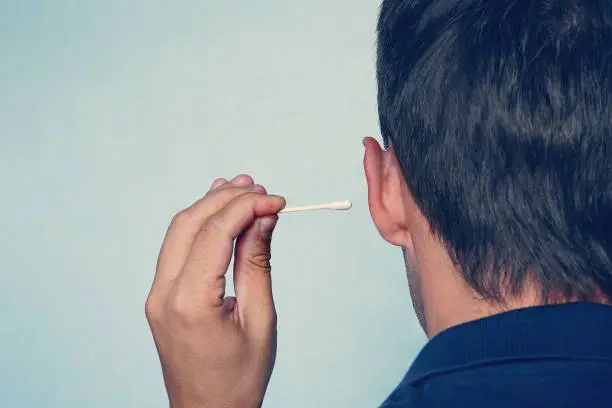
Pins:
<point x="217" y="351"/>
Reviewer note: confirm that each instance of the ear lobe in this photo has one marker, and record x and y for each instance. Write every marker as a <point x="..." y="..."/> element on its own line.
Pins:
<point x="381" y="190"/>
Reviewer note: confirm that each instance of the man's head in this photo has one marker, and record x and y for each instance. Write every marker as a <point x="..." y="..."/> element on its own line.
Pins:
<point x="498" y="120"/>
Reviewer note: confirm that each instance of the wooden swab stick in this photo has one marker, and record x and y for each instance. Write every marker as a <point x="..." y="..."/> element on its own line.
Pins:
<point x="336" y="205"/>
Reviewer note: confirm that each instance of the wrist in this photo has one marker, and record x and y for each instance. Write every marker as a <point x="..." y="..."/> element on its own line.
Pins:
<point x="216" y="403"/>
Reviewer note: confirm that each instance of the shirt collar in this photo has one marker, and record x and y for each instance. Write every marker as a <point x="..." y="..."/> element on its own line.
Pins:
<point x="568" y="331"/>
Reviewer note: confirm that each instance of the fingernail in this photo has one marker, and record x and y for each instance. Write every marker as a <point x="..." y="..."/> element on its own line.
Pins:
<point x="217" y="183"/>
<point x="242" y="180"/>
<point x="280" y="199"/>
<point x="266" y="226"/>
<point x="258" y="187"/>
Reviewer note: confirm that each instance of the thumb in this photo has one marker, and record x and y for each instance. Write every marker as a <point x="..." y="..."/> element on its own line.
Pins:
<point x="252" y="280"/>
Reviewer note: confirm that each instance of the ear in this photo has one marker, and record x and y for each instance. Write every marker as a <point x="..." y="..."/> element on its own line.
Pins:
<point x="391" y="205"/>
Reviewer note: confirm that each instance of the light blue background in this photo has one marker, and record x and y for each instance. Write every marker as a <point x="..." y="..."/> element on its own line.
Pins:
<point x="116" y="114"/>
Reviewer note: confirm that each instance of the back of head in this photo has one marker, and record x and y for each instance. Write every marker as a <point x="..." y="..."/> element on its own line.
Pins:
<point x="500" y="114"/>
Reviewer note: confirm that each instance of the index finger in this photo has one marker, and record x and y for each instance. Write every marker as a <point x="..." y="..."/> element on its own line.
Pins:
<point x="204" y="272"/>
<point x="185" y="226"/>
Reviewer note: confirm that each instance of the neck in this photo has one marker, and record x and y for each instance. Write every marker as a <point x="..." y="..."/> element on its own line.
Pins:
<point x="443" y="299"/>
<point x="450" y="305"/>
<point x="446" y="300"/>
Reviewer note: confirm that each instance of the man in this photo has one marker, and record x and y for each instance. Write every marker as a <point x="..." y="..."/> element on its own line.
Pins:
<point x="497" y="185"/>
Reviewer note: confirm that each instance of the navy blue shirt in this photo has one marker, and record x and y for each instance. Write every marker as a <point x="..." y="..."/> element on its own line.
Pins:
<point x="548" y="356"/>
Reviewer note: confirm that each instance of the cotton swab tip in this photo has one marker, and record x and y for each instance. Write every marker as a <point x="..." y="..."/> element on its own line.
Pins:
<point x="336" y="205"/>
<point x="340" y="205"/>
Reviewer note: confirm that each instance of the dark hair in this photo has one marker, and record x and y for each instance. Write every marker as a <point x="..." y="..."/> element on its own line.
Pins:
<point x="500" y="114"/>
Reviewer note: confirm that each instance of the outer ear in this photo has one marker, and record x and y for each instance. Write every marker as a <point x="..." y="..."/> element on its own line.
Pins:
<point x="386" y="198"/>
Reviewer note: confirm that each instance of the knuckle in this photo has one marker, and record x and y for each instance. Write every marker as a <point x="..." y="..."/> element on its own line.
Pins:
<point x="182" y="311"/>
<point x="260" y="261"/>
<point x="152" y="309"/>
<point x="181" y="218"/>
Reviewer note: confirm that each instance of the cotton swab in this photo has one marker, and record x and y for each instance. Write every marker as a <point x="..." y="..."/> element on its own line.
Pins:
<point x="336" y="205"/>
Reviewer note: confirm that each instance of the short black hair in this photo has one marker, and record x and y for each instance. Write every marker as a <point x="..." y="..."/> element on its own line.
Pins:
<point x="500" y="114"/>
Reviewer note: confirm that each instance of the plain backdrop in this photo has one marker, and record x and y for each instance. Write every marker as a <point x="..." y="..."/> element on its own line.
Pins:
<point x="116" y="114"/>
